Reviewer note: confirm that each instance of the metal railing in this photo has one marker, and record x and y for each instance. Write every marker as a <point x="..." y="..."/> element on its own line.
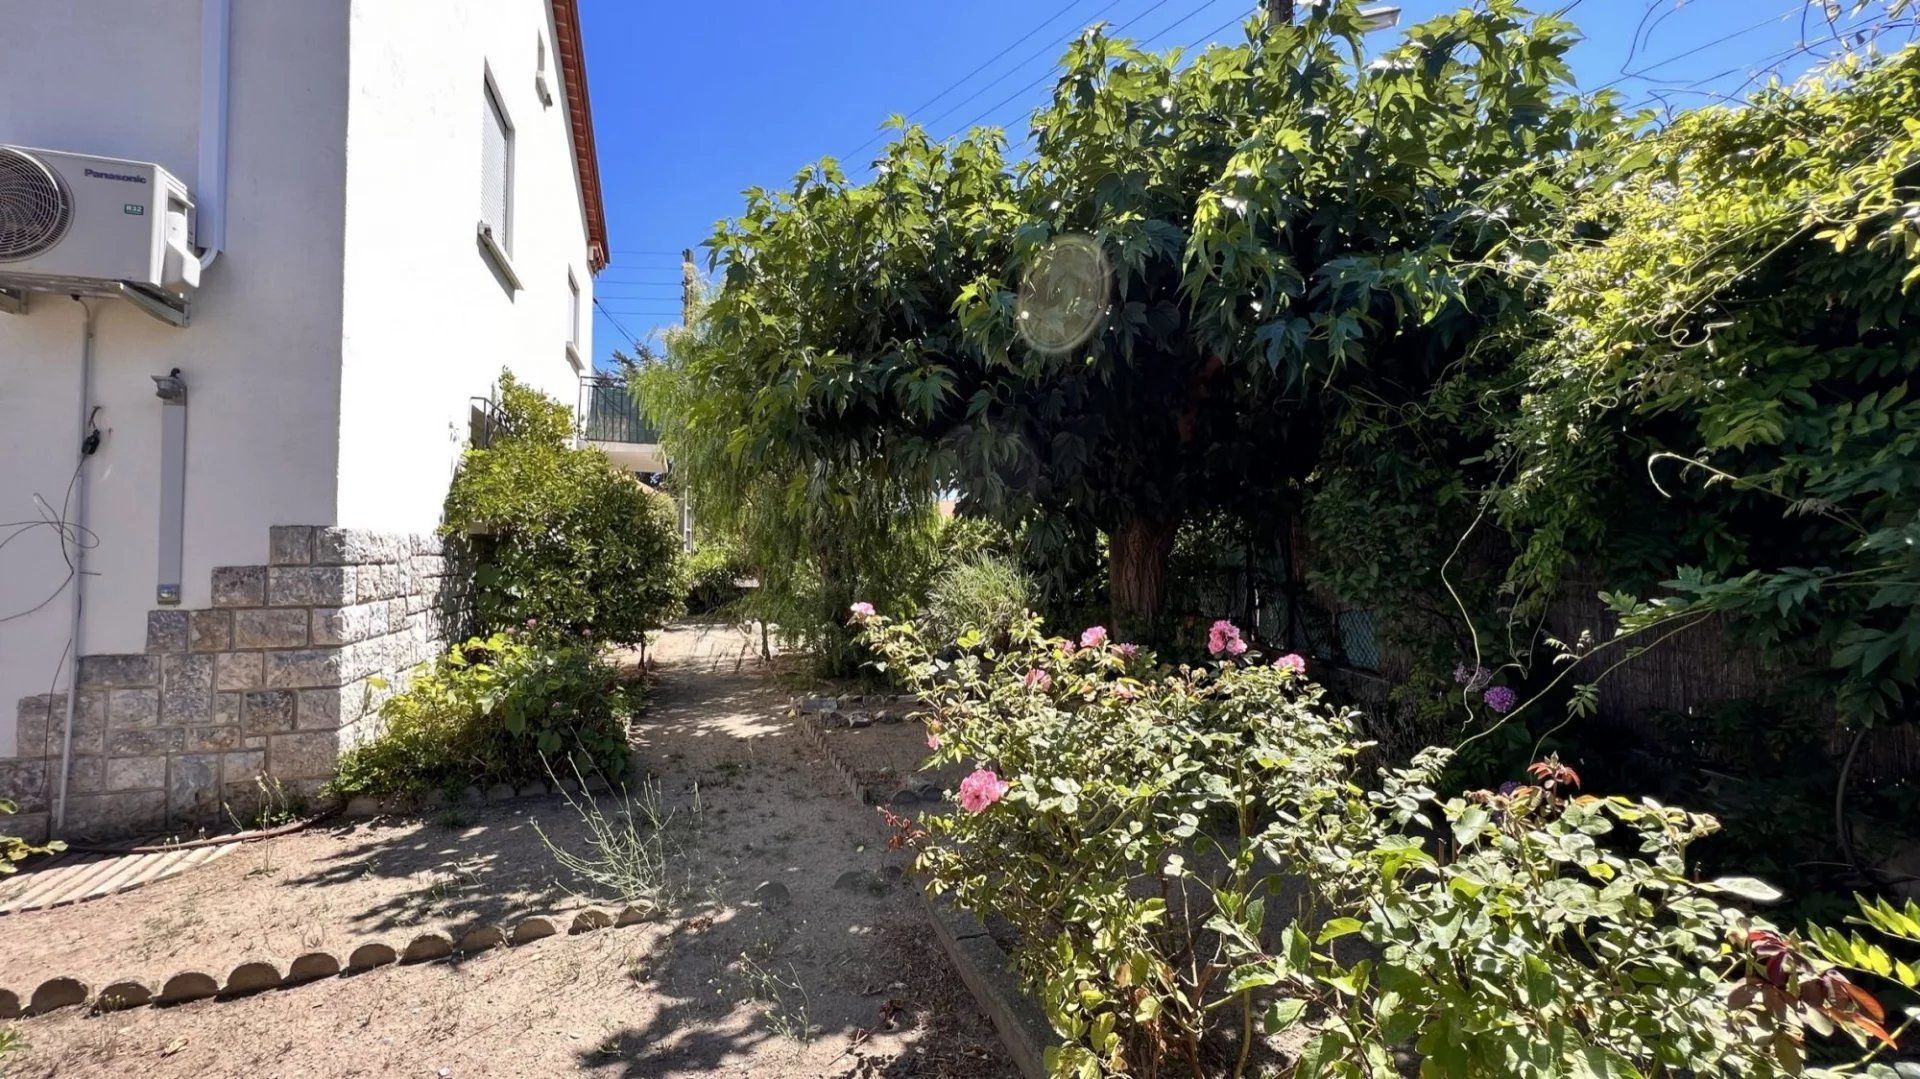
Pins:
<point x="608" y="412"/>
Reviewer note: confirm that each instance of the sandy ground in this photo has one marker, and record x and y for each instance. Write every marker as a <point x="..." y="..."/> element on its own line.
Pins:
<point x="839" y="977"/>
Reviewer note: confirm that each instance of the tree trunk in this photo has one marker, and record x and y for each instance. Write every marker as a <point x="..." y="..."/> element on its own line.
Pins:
<point x="1137" y="571"/>
<point x="836" y="655"/>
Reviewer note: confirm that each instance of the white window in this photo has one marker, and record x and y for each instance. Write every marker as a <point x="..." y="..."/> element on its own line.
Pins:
<point x="496" y="172"/>
<point x="573" y="317"/>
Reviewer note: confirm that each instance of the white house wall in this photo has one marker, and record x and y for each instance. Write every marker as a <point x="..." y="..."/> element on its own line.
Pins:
<point x="121" y="78"/>
<point x="428" y="322"/>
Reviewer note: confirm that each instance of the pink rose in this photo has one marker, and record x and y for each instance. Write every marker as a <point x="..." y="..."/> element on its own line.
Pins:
<point x="1094" y="637"/>
<point x="1126" y="651"/>
<point x="1293" y="662"/>
<point x="1224" y="637"/>
<point x="861" y="611"/>
<point x="933" y="741"/>
<point x="980" y="790"/>
<point x="1038" y="680"/>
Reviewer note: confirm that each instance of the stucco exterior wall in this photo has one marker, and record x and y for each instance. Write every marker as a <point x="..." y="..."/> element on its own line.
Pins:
<point x="429" y="323"/>
<point x="121" y="78"/>
<point x="333" y="351"/>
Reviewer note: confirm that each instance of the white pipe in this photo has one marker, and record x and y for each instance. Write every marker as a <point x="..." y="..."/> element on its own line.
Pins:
<point x="210" y="194"/>
<point x="77" y="529"/>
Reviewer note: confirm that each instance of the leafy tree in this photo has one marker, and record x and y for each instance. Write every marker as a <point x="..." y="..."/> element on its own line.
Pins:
<point x="831" y="319"/>
<point x="567" y="543"/>
<point x="1158" y="315"/>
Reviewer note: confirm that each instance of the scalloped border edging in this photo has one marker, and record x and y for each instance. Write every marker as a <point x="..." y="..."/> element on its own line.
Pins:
<point x="364" y="805"/>
<point x="258" y="976"/>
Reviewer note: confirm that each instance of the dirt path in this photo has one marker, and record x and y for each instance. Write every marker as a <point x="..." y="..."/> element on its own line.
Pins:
<point x="799" y="953"/>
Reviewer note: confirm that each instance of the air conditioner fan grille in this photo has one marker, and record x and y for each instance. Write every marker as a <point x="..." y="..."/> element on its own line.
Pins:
<point x="34" y="208"/>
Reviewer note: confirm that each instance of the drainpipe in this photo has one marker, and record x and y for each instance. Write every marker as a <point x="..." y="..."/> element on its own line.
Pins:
<point x="78" y="530"/>
<point x="210" y="197"/>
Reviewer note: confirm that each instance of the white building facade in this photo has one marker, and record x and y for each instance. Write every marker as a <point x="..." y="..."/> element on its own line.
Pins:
<point x="409" y="204"/>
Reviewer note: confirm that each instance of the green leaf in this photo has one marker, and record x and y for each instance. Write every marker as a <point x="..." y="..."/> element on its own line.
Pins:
<point x="1749" y="888"/>
<point x="1282" y="1014"/>
<point x="1335" y="928"/>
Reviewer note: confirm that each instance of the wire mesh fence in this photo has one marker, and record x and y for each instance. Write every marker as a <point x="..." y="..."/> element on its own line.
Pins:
<point x="1254" y="584"/>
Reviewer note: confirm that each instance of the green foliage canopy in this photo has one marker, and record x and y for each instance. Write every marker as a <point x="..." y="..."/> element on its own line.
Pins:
<point x="1725" y="388"/>
<point x="1280" y="225"/>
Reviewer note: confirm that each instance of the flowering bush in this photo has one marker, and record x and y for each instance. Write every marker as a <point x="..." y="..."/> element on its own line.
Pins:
<point x="1134" y="822"/>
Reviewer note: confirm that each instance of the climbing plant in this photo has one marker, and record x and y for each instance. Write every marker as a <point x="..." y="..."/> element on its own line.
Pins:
<point x="1726" y="393"/>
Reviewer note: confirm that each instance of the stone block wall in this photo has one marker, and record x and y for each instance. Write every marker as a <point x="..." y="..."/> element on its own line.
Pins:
<point x="283" y="672"/>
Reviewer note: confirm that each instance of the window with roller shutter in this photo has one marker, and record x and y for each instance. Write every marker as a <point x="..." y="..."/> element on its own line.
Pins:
<point x="496" y="171"/>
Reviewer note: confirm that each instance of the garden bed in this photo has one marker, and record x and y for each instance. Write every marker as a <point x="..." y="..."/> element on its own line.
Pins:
<point x="799" y="951"/>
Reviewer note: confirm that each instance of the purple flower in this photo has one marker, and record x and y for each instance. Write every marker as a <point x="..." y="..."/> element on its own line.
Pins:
<point x="1094" y="637"/>
<point x="1500" y="699"/>
<point x="861" y="611"/>
<point x="1126" y="651"/>
<point x="1224" y="638"/>
<point x="1475" y="678"/>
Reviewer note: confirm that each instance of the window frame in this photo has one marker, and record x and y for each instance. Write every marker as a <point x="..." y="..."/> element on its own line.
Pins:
<point x="576" y="316"/>
<point x="498" y="243"/>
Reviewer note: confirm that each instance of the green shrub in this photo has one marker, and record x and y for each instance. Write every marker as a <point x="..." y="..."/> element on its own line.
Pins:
<point x="566" y="546"/>
<point x="494" y="710"/>
<point x="986" y="592"/>
<point x="1135" y="823"/>
<point x="14" y="850"/>
<point x="713" y="575"/>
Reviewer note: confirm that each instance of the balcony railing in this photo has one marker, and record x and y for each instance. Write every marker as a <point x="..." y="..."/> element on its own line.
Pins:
<point x="608" y="412"/>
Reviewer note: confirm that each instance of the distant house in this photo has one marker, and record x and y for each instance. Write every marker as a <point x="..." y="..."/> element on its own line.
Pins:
<point x="392" y="202"/>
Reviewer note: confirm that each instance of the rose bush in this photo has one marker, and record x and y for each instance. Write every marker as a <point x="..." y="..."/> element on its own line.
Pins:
<point x="1201" y="880"/>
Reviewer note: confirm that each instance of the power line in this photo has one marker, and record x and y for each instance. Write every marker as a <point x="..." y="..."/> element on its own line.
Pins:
<point x="1002" y="103"/>
<point x="1203" y="39"/>
<point x="957" y="83"/>
<point x="618" y="325"/>
<point x="1642" y="71"/>
<point x="1028" y="59"/>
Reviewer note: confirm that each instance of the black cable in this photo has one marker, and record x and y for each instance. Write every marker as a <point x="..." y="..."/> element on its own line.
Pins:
<point x="1641" y="72"/>
<point x="957" y="83"/>
<point x="1192" y="45"/>
<point x="617" y="324"/>
<point x="1002" y="103"/>
<point x="1024" y="61"/>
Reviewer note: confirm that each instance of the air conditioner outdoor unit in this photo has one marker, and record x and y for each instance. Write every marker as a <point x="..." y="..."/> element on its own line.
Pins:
<point x="74" y="223"/>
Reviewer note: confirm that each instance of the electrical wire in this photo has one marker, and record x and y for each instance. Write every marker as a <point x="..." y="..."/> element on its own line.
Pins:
<point x="1190" y="46"/>
<point x="617" y="324"/>
<point x="989" y="62"/>
<point x="1028" y="59"/>
<point x="71" y="537"/>
<point x="1003" y="102"/>
<point x="1641" y="72"/>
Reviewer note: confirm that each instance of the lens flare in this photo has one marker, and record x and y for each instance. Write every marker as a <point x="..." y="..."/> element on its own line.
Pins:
<point x="1063" y="297"/>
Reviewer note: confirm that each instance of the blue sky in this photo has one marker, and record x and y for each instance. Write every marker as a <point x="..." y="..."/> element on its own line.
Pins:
<point x="694" y="102"/>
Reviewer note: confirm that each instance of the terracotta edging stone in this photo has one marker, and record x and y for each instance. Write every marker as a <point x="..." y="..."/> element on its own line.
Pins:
<point x="258" y="975"/>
